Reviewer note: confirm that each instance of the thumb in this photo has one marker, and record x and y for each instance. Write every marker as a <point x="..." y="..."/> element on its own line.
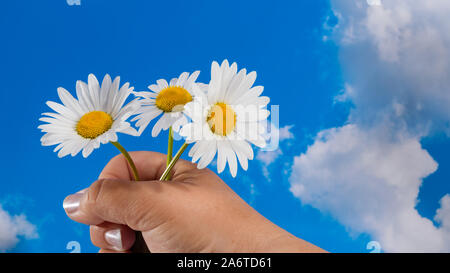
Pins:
<point x="116" y="201"/>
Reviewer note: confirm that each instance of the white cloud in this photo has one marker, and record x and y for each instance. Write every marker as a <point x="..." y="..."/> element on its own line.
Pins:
<point x="13" y="227"/>
<point x="397" y="53"/>
<point x="370" y="182"/>
<point x="266" y="158"/>
<point x="443" y="214"/>
<point x="396" y="62"/>
<point x="285" y="133"/>
<point x="374" y="2"/>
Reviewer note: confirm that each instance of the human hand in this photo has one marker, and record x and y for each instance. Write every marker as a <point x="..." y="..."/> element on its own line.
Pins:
<point x="194" y="212"/>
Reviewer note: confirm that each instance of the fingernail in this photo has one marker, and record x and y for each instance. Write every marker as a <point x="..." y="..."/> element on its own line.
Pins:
<point x="114" y="238"/>
<point x="72" y="202"/>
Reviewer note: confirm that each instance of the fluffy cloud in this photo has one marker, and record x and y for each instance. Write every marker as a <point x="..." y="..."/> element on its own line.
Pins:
<point x="367" y="174"/>
<point x="370" y="183"/>
<point x="13" y="227"/>
<point x="443" y="214"/>
<point x="285" y="133"/>
<point x="396" y="59"/>
<point x="266" y="158"/>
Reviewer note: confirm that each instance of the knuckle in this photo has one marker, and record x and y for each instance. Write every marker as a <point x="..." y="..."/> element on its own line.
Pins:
<point x="140" y="209"/>
<point x="97" y="191"/>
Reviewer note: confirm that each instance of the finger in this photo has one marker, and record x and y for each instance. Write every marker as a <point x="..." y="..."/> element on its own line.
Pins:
<point x="112" y="236"/>
<point x="150" y="166"/>
<point x="111" y="251"/>
<point x="122" y="202"/>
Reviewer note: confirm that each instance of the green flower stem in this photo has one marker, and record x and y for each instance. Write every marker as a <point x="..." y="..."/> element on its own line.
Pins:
<point x="173" y="161"/>
<point x="169" y="150"/>
<point x="128" y="157"/>
<point x="139" y="244"/>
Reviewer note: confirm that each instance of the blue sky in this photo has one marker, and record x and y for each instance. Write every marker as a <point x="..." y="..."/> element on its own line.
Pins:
<point x="48" y="44"/>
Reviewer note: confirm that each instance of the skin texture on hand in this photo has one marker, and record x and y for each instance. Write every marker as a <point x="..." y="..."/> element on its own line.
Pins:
<point x="194" y="212"/>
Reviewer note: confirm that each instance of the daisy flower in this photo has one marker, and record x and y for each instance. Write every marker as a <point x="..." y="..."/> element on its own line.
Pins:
<point x="227" y="119"/>
<point x="167" y="99"/>
<point x="94" y="118"/>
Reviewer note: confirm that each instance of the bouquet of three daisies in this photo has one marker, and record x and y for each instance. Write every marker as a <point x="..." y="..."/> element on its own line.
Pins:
<point x="221" y="118"/>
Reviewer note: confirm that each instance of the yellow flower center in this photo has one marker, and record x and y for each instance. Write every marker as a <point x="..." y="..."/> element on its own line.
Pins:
<point x="221" y="119"/>
<point x="94" y="124"/>
<point x="172" y="99"/>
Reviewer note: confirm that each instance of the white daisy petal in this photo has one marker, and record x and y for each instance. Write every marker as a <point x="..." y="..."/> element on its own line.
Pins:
<point x="221" y="156"/>
<point x="259" y="114"/>
<point x="228" y="74"/>
<point x="194" y="148"/>
<point x="126" y="111"/>
<point x="58" y="116"/>
<point x="173" y="82"/>
<point x="145" y="110"/>
<point x="129" y="131"/>
<point x="243" y="160"/>
<point x="113" y="90"/>
<point x="53" y="128"/>
<point x="69" y="124"/>
<point x="208" y="156"/>
<point x="78" y="146"/>
<point x="120" y="98"/>
<point x="104" y="92"/>
<point x="179" y="123"/>
<point x="245" y="148"/>
<point x="214" y="84"/>
<point x="87" y="150"/>
<point x="69" y="101"/>
<point x="234" y="85"/>
<point x="251" y="95"/>
<point x="183" y="77"/>
<point x="244" y="87"/>
<point x="159" y="125"/>
<point x="259" y="141"/>
<point x="50" y="139"/>
<point x="262" y="101"/>
<point x="171" y="100"/>
<point x="66" y="149"/>
<point x="144" y="94"/>
<point x="62" y="110"/>
<point x="199" y="94"/>
<point x="154" y="87"/>
<point x="57" y="148"/>
<point x="162" y="83"/>
<point x="203" y="87"/>
<point x="192" y="78"/>
<point x="94" y="91"/>
<point x="83" y="124"/>
<point x="231" y="159"/>
<point x="114" y="137"/>
<point x="186" y="132"/>
<point x="231" y="142"/>
<point x="201" y="150"/>
<point x="84" y="97"/>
